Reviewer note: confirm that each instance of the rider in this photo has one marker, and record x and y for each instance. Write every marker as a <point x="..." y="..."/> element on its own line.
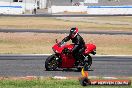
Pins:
<point x="79" y="44"/>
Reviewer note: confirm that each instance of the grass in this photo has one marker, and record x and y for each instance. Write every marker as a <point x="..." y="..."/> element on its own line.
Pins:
<point x="35" y="43"/>
<point x="51" y="83"/>
<point x="89" y="23"/>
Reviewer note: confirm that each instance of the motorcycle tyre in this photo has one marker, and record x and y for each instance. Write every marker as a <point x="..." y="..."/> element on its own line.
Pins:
<point x="48" y="60"/>
<point x="79" y="69"/>
<point x="89" y="63"/>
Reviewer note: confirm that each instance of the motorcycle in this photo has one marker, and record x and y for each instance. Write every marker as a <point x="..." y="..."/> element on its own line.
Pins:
<point x="63" y="57"/>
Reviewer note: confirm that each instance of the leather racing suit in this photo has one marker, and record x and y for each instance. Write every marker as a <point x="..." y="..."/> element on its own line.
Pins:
<point x="79" y="45"/>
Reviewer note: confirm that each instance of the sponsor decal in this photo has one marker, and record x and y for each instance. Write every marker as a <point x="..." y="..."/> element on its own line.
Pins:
<point x="111" y="82"/>
<point x="84" y="80"/>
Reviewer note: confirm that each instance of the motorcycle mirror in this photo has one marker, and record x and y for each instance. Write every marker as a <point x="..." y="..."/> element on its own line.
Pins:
<point x="56" y="40"/>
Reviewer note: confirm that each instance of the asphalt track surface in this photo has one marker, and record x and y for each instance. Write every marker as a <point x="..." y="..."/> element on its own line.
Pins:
<point x="64" y="15"/>
<point x="34" y="65"/>
<point x="64" y="31"/>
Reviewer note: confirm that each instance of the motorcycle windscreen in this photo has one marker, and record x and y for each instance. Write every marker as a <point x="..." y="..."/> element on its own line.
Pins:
<point x="67" y="61"/>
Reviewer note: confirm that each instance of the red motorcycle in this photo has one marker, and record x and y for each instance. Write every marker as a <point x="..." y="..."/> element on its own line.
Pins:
<point x="63" y="59"/>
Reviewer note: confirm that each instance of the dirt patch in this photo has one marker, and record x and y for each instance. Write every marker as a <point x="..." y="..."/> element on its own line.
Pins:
<point x="35" y="43"/>
<point x="83" y="23"/>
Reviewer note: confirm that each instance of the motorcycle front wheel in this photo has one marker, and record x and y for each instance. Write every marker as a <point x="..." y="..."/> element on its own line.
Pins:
<point x="51" y="63"/>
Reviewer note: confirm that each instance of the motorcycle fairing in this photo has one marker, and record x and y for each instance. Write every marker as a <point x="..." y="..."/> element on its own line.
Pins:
<point x="67" y="61"/>
<point x="89" y="48"/>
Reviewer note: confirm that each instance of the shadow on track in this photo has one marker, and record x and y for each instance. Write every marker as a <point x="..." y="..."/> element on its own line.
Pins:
<point x="69" y="70"/>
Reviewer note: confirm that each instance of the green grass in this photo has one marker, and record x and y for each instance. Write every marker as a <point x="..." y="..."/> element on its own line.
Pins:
<point x="51" y="83"/>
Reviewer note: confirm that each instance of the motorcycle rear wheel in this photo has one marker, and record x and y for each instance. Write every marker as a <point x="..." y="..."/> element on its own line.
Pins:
<point x="88" y="62"/>
<point x="51" y="63"/>
<point x="79" y="69"/>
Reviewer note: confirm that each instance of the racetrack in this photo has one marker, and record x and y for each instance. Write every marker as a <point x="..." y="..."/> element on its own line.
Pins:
<point x="28" y="65"/>
<point x="64" y="31"/>
<point x="64" y="15"/>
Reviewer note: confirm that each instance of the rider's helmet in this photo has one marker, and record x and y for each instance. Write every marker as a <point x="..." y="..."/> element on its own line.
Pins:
<point x="73" y="32"/>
